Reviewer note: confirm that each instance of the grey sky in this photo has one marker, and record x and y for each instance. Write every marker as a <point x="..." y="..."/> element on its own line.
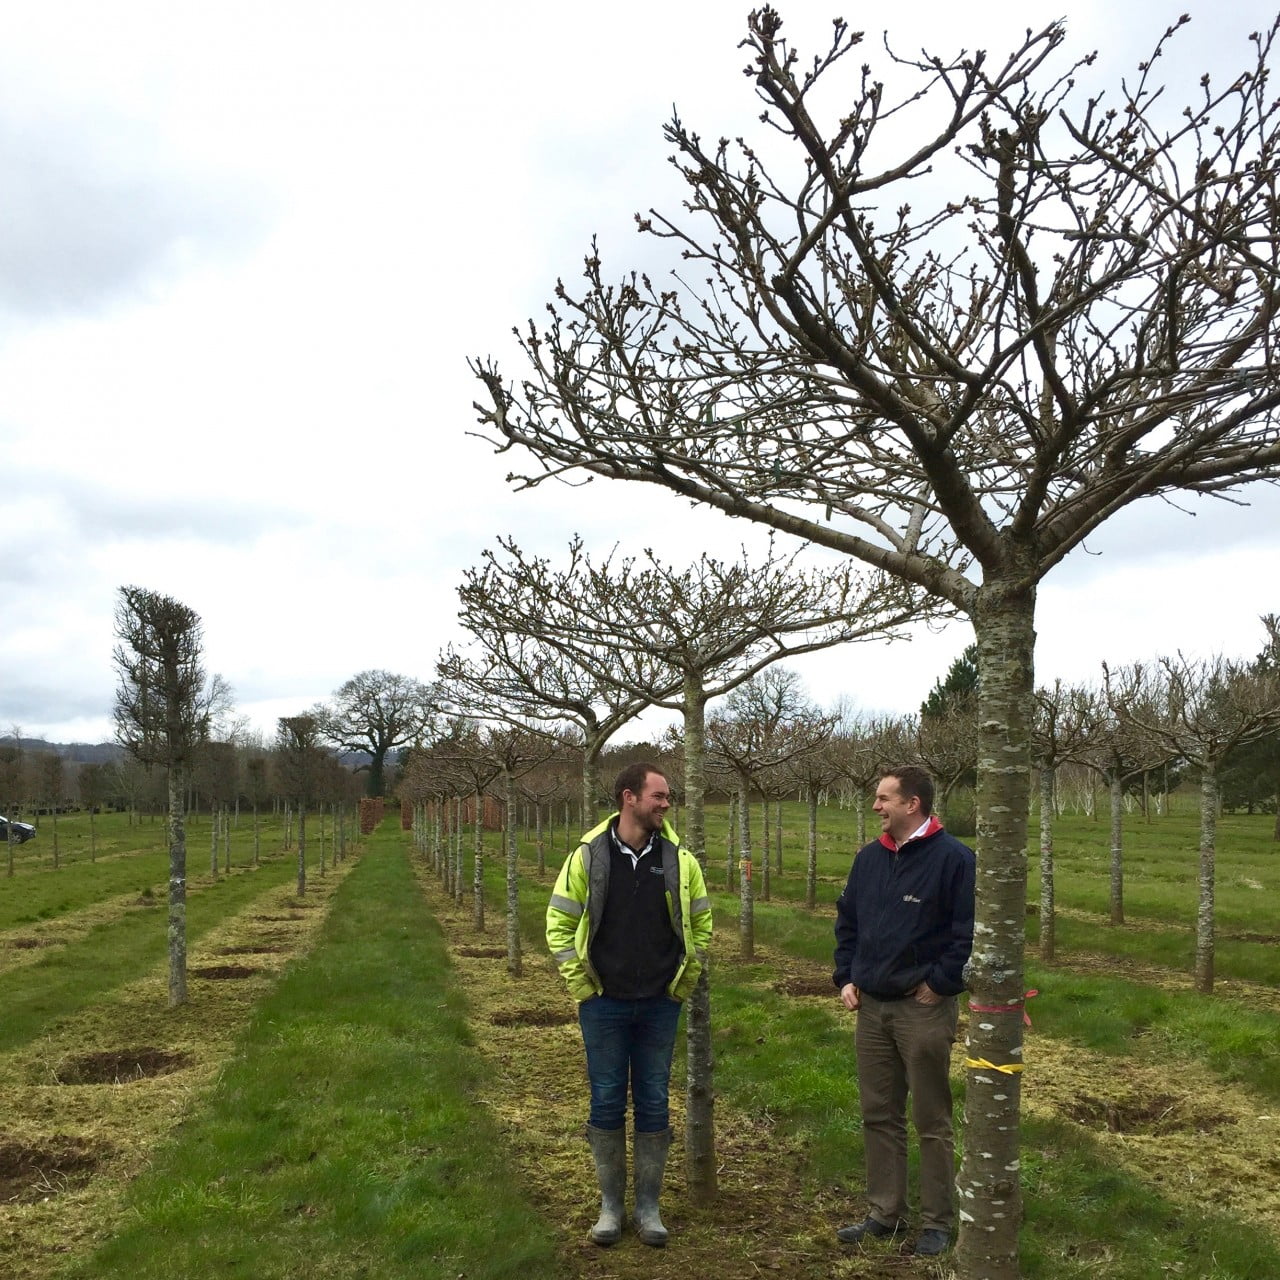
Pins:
<point x="247" y="250"/>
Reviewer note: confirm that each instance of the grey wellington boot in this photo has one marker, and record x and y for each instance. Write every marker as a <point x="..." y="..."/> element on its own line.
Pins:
<point x="609" y="1147"/>
<point x="650" y="1152"/>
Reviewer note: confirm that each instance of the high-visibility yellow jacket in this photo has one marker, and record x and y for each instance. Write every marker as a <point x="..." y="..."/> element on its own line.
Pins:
<point x="582" y="888"/>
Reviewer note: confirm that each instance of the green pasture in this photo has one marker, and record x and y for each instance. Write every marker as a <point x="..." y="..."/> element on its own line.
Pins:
<point x="341" y="1138"/>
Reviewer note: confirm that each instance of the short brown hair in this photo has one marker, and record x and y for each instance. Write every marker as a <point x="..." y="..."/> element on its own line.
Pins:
<point x="914" y="781"/>
<point x="632" y="779"/>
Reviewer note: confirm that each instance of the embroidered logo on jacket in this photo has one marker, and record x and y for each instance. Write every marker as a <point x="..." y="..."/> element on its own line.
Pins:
<point x="910" y="897"/>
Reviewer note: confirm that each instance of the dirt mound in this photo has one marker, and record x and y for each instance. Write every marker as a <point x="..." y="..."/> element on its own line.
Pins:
<point x="252" y="950"/>
<point x="532" y="1018"/>
<point x="122" y="1066"/>
<point x="482" y="953"/>
<point x="29" y="1173"/>
<point x="30" y="944"/>
<point x="218" y="972"/>
<point x="795" y="985"/>
<point x="1156" y="1114"/>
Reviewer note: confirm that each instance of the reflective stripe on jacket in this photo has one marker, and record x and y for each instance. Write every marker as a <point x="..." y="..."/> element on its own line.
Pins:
<point x="582" y="888"/>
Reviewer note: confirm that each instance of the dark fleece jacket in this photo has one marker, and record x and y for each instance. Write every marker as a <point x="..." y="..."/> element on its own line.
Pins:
<point x="906" y="917"/>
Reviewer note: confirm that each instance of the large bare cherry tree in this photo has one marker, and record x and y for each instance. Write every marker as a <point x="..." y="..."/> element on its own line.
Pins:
<point x="948" y="329"/>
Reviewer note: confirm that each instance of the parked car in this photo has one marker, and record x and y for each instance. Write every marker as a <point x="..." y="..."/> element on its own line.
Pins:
<point x="21" y="830"/>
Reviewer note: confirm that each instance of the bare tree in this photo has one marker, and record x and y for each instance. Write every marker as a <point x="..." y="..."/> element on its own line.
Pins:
<point x="1066" y="718"/>
<point x="374" y="712"/>
<point x="51" y="781"/>
<point x="1209" y="707"/>
<point x="257" y="786"/>
<point x="957" y="379"/>
<point x="768" y="721"/>
<point x="162" y="714"/>
<point x="299" y="761"/>
<point x="1120" y="754"/>
<point x="94" y="786"/>
<point x="814" y="772"/>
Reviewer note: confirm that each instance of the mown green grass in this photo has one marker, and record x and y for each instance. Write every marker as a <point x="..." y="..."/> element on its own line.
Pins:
<point x="68" y="978"/>
<point x="342" y="1139"/>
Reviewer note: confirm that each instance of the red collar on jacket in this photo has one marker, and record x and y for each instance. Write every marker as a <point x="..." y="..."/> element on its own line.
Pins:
<point x="892" y="845"/>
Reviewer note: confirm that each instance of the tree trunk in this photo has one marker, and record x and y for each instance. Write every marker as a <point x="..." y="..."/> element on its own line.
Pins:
<point x="1208" y="855"/>
<point x="765" y="887"/>
<point x="302" y="848"/>
<point x="457" y="857"/>
<point x="373" y="787"/>
<point x="257" y="837"/>
<point x="54" y="814"/>
<point x="93" y="835"/>
<point x="777" y="835"/>
<point x="477" y="878"/>
<point x="1117" y="848"/>
<point x="990" y="1196"/>
<point x="746" y="909"/>
<point x="1047" y="917"/>
<point x="177" y="889"/>
<point x="540" y="836"/>
<point x="811" y="857"/>
<point x="514" y="966"/>
<point x="730" y="878"/>
<point x="860" y="801"/>
<point x="213" y="842"/>
<point x="226" y="840"/>
<point x="321" y="811"/>
<point x="700" y="1138"/>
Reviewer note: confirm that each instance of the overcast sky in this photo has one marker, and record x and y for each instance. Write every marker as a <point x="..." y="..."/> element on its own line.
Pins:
<point x="247" y="248"/>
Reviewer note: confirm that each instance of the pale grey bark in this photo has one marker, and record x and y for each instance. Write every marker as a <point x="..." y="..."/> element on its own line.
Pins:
<point x="746" y="904"/>
<point x="811" y="852"/>
<point x="177" y="934"/>
<point x="477" y="878"/>
<point x="766" y="887"/>
<point x="1116" y="877"/>
<point x="515" y="965"/>
<point x="1048" y="910"/>
<point x="1207" y="877"/>
<point x="730" y="868"/>
<point x="301" y="887"/>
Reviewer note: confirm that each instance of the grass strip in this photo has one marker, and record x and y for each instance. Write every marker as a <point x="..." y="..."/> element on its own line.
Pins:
<point x="791" y="1064"/>
<point x="69" y="978"/>
<point x="342" y="1138"/>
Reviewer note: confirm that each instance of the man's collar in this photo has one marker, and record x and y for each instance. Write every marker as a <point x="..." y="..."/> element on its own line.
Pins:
<point x="927" y="828"/>
<point x="623" y="846"/>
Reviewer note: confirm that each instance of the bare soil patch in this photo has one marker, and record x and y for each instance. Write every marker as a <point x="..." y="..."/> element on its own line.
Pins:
<point x="219" y="972"/>
<point x="532" y="1018"/>
<point x="30" y="944"/>
<point x="1153" y="1113"/>
<point x="122" y="1066"/>
<point x="481" y="953"/>
<point x="250" y="950"/>
<point x="30" y="1173"/>
<point x="800" y="985"/>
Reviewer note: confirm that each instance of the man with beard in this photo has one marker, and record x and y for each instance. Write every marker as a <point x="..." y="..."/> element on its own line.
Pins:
<point x="628" y="925"/>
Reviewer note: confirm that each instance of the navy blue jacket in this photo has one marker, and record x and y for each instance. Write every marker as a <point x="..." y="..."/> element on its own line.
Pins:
<point x="906" y="917"/>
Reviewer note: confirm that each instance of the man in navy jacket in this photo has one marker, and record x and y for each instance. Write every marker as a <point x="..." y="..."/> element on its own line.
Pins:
<point x="904" y="930"/>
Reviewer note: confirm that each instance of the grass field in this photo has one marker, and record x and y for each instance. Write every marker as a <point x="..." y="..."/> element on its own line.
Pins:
<point x="364" y="1091"/>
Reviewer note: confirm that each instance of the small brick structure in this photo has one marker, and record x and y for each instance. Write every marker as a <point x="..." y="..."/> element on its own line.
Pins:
<point x="372" y="809"/>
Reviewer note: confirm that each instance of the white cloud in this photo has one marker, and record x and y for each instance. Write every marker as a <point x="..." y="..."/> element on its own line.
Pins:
<point x="246" y="250"/>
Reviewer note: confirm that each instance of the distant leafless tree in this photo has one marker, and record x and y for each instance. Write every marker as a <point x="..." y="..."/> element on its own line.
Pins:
<point x="299" y="761"/>
<point x="374" y="712"/>
<point x="1204" y="709"/>
<point x="1066" y="719"/>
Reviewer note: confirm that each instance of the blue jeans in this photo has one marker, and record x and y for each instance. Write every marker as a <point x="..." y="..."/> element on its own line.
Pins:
<point x="629" y="1039"/>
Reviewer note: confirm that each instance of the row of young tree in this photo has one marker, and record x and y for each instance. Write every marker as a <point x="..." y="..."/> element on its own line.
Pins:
<point x="946" y="319"/>
<point x="562" y="657"/>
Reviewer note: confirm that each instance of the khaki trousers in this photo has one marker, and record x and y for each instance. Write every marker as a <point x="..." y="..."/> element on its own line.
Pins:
<point x="904" y="1047"/>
